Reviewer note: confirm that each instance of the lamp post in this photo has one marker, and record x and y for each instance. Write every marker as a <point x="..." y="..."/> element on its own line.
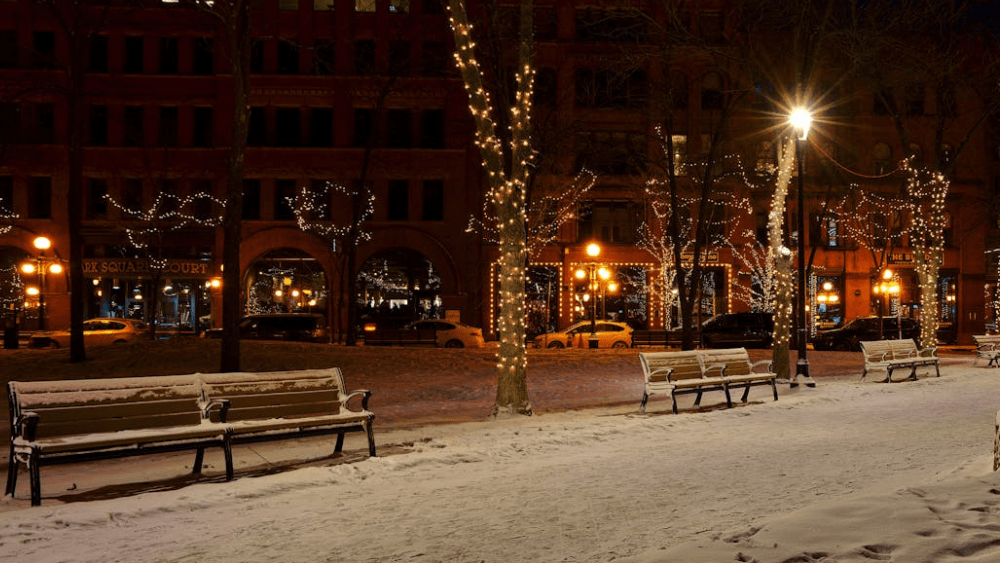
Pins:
<point x="888" y="287"/>
<point x="592" y="273"/>
<point x="800" y="120"/>
<point x="39" y="267"/>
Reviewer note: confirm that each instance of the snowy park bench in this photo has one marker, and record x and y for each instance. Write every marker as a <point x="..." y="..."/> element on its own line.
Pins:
<point x="275" y="405"/>
<point x="889" y="355"/>
<point x="988" y="347"/>
<point x="66" y="421"/>
<point x="699" y="371"/>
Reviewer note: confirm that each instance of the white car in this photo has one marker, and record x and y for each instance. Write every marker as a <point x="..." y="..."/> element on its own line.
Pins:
<point x="609" y="335"/>
<point x="451" y="334"/>
<point x="96" y="332"/>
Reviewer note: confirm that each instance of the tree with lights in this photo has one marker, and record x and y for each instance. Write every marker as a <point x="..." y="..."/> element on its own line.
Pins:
<point x="781" y="256"/>
<point x="508" y="168"/>
<point x="925" y="202"/>
<point x="149" y="230"/>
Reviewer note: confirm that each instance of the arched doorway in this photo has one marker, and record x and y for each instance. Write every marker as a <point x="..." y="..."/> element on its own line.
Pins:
<point x="396" y="286"/>
<point x="285" y="280"/>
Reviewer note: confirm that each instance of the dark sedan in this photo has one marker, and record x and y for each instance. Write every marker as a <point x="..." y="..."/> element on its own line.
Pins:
<point x="848" y="336"/>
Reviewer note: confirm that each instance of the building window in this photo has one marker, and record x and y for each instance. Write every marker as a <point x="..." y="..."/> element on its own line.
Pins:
<point x="168" y="55"/>
<point x="432" y="129"/>
<point x="599" y="88"/>
<point x="8" y="48"/>
<point x="824" y="230"/>
<point x="399" y="58"/>
<point x="284" y="200"/>
<point x="288" y="127"/>
<point x="364" y="57"/>
<point x="435" y="59"/>
<point x="133" y="127"/>
<point x="711" y="92"/>
<point x="323" y="57"/>
<point x="132" y="195"/>
<point x="433" y="6"/>
<point x="168" y="126"/>
<point x="251" y="199"/>
<point x="915" y="94"/>
<point x="97" y="202"/>
<point x="766" y="161"/>
<point x="610" y="221"/>
<point x="203" y="57"/>
<point x="256" y="56"/>
<point x="10" y="122"/>
<point x="364" y="126"/>
<point x="399" y="129"/>
<point x="364" y="5"/>
<point x="45" y="123"/>
<point x="203" y="127"/>
<point x="610" y="25"/>
<point x="398" y="201"/>
<point x="546" y="87"/>
<point x="399" y="6"/>
<point x="611" y="152"/>
<point x="203" y="207"/>
<point x="288" y="57"/>
<point x="40" y="197"/>
<point x="322" y="5"/>
<point x="433" y="200"/>
<point x="44" y="53"/>
<point x="257" y="127"/>
<point x="321" y="127"/>
<point x="98" y="130"/>
<point x="133" y="55"/>
<point x="6" y="196"/>
<point x="97" y="57"/>
<point x="288" y="4"/>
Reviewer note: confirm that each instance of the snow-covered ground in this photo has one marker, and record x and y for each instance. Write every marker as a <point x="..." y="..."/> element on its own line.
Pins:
<point x="847" y="471"/>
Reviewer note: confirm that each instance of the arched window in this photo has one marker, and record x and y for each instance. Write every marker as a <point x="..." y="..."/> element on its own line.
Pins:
<point x="711" y="91"/>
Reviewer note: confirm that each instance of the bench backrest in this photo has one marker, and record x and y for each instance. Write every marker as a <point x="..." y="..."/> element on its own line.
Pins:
<point x="284" y="394"/>
<point x="685" y="365"/>
<point x="84" y="406"/>
<point x="981" y="339"/>
<point x="736" y="360"/>
<point x="890" y="349"/>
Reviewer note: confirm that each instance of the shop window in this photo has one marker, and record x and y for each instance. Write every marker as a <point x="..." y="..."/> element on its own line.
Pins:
<point x="8" y="48"/>
<point x="168" y="127"/>
<point x="288" y="127"/>
<point x="321" y="127"/>
<point x="132" y="127"/>
<point x="432" y="129"/>
<point x="288" y="57"/>
<point x="433" y="204"/>
<point x="825" y="230"/>
<point x="97" y="55"/>
<point x="168" y="55"/>
<point x="203" y="127"/>
<point x="398" y="201"/>
<point x="203" y="56"/>
<point x="44" y="49"/>
<point x="284" y="200"/>
<point x="323" y="57"/>
<point x="40" y="197"/>
<point x="97" y="132"/>
<point x="399" y="129"/>
<point x="251" y="199"/>
<point x="133" y="55"/>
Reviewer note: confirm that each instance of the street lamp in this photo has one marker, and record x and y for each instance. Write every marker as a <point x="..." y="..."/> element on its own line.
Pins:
<point x="39" y="267"/>
<point x="800" y="120"/>
<point x="593" y="272"/>
<point x="888" y="288"/>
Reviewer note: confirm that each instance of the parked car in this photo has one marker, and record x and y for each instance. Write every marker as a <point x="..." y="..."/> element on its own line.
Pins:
<point x="609" y="335"/>
<point x="302" y="327"/>
<point x="848" y="336"/>
<point x="735" y="330"/>
<point x="451" y="334"/>
<point x="96" y="332"/>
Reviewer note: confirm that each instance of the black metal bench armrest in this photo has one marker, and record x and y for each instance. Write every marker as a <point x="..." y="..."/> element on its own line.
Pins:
<point x="720" y="367"/>
<point x="928" y="352"/>
<point x="365" y="394"/>
<point x="221" y="404"/>
<point x="26" y="426"/>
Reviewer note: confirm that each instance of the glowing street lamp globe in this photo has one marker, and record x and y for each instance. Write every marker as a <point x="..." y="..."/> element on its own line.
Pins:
<point x="800" y="120"/>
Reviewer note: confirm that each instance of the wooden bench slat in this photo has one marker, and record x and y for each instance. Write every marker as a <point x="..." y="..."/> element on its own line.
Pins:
<point x="889" y="355"/>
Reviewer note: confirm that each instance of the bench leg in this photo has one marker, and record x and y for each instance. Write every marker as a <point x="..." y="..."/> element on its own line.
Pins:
<point x="35" y="473"/>
<point x="227" y="451"/>
<point x="371" y="439"/>
<point x="864" y="373"/>
<point x="729" y="399"/>
<point x="642" y="405"/>
<point x="11" y="473"/>
<point x="746" y="393"/>
<point x="199" y="459"/>
<point x="340" y="442"/>
<point x="697" y="400"/>
<point x="937" y="368"/>
<point x="673" y="397"/>
<point x="774" y="388"/>
<point x="913" y="373"/>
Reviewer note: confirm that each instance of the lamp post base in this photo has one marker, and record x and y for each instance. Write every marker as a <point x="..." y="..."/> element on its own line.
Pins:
<point x="802" y="374"/>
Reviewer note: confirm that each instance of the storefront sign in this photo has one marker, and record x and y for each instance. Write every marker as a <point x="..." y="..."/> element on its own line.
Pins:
<point x="140" y="268"/>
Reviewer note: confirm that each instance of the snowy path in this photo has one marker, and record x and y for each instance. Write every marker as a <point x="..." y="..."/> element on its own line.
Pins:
<point x="596" y="485"/>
